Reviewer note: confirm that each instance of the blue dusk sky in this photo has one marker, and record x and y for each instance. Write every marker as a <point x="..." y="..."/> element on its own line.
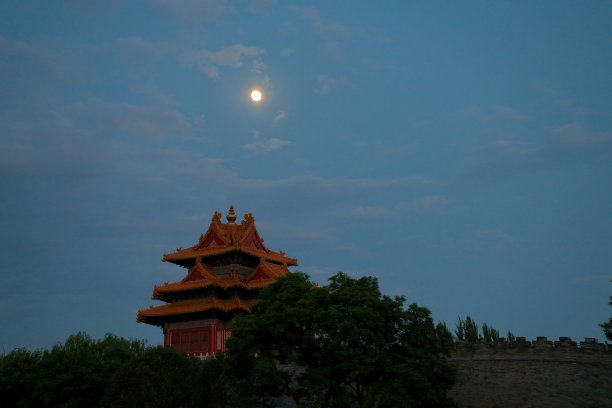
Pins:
<point x="459" y="151"/>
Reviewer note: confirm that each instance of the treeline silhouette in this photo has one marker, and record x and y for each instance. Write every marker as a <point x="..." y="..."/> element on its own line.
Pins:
<point x="111" y="372"/>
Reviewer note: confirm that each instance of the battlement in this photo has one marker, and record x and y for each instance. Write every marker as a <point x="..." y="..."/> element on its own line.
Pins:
<point x="539" y="344"/>
<point x="522" y="373"/>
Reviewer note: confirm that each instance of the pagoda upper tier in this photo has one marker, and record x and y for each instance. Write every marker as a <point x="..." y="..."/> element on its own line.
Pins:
<point x="222" y="241"/>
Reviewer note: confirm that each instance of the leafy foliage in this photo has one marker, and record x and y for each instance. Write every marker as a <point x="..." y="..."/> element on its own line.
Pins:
<point x="158" y="377"/>
<point x="18" y="373"/>
<point x="460" y="329"/>
<point x="607" y="326"/>
<point x="490" y="334"/>
<point x="112" y="372"/>
<point x="467" y="330"/>
<point x="343" y="345"/>
<point x="73" y="374"/>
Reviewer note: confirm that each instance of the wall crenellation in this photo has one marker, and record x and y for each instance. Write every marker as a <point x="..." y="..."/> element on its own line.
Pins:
<point x="540" y="343"/>
<point x="538" y="373"/>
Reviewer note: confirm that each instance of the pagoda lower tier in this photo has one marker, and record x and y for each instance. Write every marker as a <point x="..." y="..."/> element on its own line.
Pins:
<point x="226" y="270"/>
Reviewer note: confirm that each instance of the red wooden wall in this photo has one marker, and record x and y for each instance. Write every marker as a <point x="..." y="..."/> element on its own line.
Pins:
<point x="197" y="340"/>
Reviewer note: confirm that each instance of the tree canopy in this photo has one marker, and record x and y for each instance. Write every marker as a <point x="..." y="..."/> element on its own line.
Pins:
<point x="112" y="372"/>
<point x="72" y="374"/>
<point x="467" y="331"/>
<point x="607" y="326"/>
<point x="343" y="345"/>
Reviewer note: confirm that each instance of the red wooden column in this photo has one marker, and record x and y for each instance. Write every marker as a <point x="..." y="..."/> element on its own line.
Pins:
<point x="213" y="339"/>
<point x="167" y="337"/>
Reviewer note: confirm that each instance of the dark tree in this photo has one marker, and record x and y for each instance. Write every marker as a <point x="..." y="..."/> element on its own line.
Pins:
<point x="607" y="326"/>
<point x="73" y="374"/>
<point x="344" y="345"/>
<point x="158" y="377"/>
<point x="112" y="372"/>
<point x="467" y="330"/>
<point x="19" y="374"/>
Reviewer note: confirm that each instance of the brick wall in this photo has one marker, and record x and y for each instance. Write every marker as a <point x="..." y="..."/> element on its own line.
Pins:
<point x="541" y="373"/>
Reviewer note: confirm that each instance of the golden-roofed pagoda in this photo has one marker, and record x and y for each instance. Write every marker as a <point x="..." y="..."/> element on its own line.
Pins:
<point x="226" y="269"/>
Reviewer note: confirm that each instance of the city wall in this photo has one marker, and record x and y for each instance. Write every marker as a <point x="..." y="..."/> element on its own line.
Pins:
<point x="541" y="373"/>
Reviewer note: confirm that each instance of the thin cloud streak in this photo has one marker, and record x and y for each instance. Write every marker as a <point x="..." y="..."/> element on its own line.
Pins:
<point x="280" y="116"/>
<point x="326" y="84"/>
<point x="266" y="145"/>
<point x="209" y="62"/>
<point x="190" y="10"/>
<point x="564" y="146"/>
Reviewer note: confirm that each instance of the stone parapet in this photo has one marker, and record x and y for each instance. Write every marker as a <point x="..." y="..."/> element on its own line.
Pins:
<point x="540" y="343"/>
<point x="538" y="373"/>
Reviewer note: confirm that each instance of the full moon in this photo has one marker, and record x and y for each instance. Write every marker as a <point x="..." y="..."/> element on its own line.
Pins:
<point x="256" y="95"/>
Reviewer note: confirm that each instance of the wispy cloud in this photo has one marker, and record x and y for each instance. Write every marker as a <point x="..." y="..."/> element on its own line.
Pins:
<point x="231" y="56"/>
<point x="565" y="145"/>
<point x="560" y="101"/>
<point x="396" y="151"/>
<point x="492" y="114"/>
<point x="377" y="65"/>
<point x="322" y="25"/>
<point x="258" y="66"/>
<point x="260" y="6"/>
<point x="327" y="84"/>
<point x="367" y="213"/>
<point x="431" y="201"/>
<point x="497" y="234"/>
<point x="49" y="57"/>
<point x="93" y="5"/>
<point x="85" y="134"/>
<point x="193" y="9"/>
<point x="422" y="204"/>
<point x="280" y="116"/>
<point x="285" y="52"/>
<point x="264" y="144"/>
<point x="139" y="46"/>
<point x="340" y="185"/>
<point x="149" y="122"/>
<point x="333" y="34"/>
<point x="47" y="141"/>
<point x="485" y="240"/>
<point x="572" y="140"/>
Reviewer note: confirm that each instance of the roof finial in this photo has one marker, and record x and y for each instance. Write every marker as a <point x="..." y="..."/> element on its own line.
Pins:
<point x="231" y="215"/>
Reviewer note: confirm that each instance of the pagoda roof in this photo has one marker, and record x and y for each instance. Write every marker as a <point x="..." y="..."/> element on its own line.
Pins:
<point x="202" y="276"/>
<point x="157" y="315"/>
<point x="223" y="238"/>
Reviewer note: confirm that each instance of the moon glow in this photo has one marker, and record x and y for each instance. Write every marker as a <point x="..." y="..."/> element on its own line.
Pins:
<point x="256" y="95"/>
